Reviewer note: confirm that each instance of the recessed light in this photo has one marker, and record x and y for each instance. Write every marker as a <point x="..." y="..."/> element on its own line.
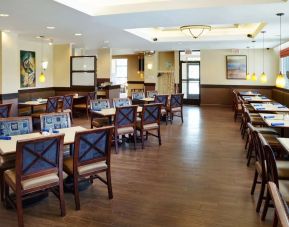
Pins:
<point x="50" y="43"/>
<point x="50" y="27"/>
<point x="104" y="47"/>
<point x="5" y="30"/>
<point x="106" y="41"/>
<point x="78" y="34"/>
<point x="4" y="15"/>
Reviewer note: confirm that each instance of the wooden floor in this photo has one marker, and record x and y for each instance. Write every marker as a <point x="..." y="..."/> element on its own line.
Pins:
<point x="198" y="177"/>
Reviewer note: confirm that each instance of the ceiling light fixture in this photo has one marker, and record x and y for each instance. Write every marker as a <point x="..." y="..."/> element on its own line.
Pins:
<point x="50" y="27"/>
<point x="78" y="34"/>
<point x="4" y="15"/>
<point x="263" y="77"/>
<point x="280" y="79"/>
<point x="44" y="64"/>
<point x="195" y="30"/>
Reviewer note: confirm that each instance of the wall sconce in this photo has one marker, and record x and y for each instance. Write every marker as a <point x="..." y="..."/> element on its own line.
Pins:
<point x="150" y="66"/>
<point x="44" y="65"/>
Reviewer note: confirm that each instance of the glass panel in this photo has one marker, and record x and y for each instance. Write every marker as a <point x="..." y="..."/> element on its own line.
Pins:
<point x="194" y="72"/>
<point x="184" y="89"/>
<point x="194" y="88"/>
<point x="119" y="71"/>
<point x="83" y="79"/>
<point x="190" y="56"/>
<point x="184" y="71"/>
<point x="82" y="63"/>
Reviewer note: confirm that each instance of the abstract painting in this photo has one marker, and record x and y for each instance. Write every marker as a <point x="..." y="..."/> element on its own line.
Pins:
<point x="236" y="67"/>
<point x="27" y="69"/>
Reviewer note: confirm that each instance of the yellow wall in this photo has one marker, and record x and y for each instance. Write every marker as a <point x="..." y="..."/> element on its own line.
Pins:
<point x="61" y="69"/>
<point x="166" y="61"/>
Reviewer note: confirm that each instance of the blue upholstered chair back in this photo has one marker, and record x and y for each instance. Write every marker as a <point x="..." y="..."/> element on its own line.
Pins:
<point x="92" y="145"/>
<point x="151" y="113"/>
<point x="163" y="99"/>
<point x="52" y="104"/>
<point x="121" y="102"/>
<point x="151" y="94"/>
<point x="5" y="110"/>
<point x="39" y="155"/>
<point x="15" y="126"/>
<point x="55" y="121"/>
<point x="125" y="116"/>
<point x="137" y="95"/>
<point x="176" y="100"/>
<point x="99" y="104"/>
<point x="67" y="102"/>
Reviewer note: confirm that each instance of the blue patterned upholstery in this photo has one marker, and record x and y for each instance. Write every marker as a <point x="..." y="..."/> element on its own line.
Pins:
<point x="121" y="102"/>
<point x="125" y="116"/>
<point x="67" y="102"/>
<point x="176" y="100"/>
<point x="151" y="94"/>
<point x="55" y="121"/>
<point x="99" y="104"/>
<point x="52" y="104"/>
<point x="15" y="127"/>
<point x="40" y="156"/>
<point x="163" y="99"/>
<point x="151" y="113"/>
<point x="137" y="95"/>
<point x="92" y="145"/>
<point x="4" y="110"/>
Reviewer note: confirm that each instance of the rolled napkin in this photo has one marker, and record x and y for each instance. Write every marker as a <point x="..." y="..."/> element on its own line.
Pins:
<point x="269" y="116"/>
<point x="5" y="137"/>
<point x="53" y="130"/>
<point x="257" y="104"/>
<point x="263" y="97"/>
<point x="277" y="123"/>
<point x="281" y="107"/>
<point x="260" y="108"/>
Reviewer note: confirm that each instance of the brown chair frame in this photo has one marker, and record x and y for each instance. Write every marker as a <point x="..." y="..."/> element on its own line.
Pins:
<point x="8" y="105"/>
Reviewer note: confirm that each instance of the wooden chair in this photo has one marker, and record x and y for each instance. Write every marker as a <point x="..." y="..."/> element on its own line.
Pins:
<point x="163" y="99"/>
<point x="237" y="106"/>
<point x="151" y="94"/>
<point x="176" y="106"/>
<point x="273" y="174"/>
<point x="136" y="98"/>
<point x="150" y="120"/>
<point x="92" y="149"/>
<point x="97" y="105"/>
<point x="67" y="105"/>
<point x="5" y="110"/>
<point x="38" y="168"/>
<point x="54" y="121"/>
<point x="125" y="123"/>
<point x="12" y="126"/>
<point x="119" y="102"/>
<point x="281" y="208"/>
<point x="86" y="106"/>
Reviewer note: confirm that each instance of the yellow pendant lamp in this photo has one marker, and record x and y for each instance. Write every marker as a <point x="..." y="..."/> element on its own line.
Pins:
<point x="44" y="64"/>
<point x="254" y="77"/>
<point x="263" y="77"/>
<point x="280" y="79"/>
<point x="42" y="77"/>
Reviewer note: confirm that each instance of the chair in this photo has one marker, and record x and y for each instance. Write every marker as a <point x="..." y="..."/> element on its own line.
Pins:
<point x="125" y="123"/>
<point x="5" y="110"/>
<point x="12" y="126"/>
<point x="281" y="208"/>
<point x="67" y="105"/>
<point x="38" y="168"/>
<point x="85" y="106"/>
<point x="152" y="94"/>
<point x="55" y="121"/>
<point x="150" y="120"/>
<point x="92" y="149"/>
<point x="137" y="95"/>
<point x="97" y="105"/>
<point x="163" y="99"/>
<point x="176" y="106"/>
<point x="237" y="106"/>
<point x="119" y="102"/>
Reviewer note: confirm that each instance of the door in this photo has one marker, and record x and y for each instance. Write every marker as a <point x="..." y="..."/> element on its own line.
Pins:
<point x="190" y="82"/>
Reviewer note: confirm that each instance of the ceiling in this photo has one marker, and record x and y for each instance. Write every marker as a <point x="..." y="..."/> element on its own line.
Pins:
<point x="104" y="23"/>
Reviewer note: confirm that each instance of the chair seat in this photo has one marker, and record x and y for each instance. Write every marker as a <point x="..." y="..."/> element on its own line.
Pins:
<point x="284" y="189"/>
<point x="33" y="182"/>
<point x="176" y="109"/>
<point x="257" y="121"/>
<point x="7" y="162"/>
<point x="163" y="111"/>
<point x="125" y="130"/>
<point x="81" y="106"/>
<point x="148" y="126"/>
<point x="85" y="169"/>
<point x="272" y="141"/>
<point x="258" y="167"/>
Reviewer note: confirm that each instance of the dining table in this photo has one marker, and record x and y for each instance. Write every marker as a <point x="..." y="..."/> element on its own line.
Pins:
<point x="147" y="100"/>
<point x="284" y="143"/>
<point x="257" y="98"/>
<point x="249" y="93"/>
<point x="269" y="107"/>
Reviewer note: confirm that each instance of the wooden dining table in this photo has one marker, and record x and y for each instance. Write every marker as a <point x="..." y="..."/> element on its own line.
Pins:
<point x="269" y="107"/>
<point x="256" y="98"/>
<point x="284" y="143"/>
<point x="249" y="93"/>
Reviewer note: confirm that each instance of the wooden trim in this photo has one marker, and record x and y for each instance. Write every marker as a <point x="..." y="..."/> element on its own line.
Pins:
<point x="284" y="53"/>
<point x="75" y="88"/>
<point x="32" y="90"/>
<point x="102" y="80"/>
<point x="282" y="89"/>
<point x="236" y="86"/>
<point x="149" y="84"/>
<point x="8" y="96"/>
<point x="135" y="82"/>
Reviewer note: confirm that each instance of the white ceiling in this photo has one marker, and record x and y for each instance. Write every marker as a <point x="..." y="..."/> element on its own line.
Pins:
<point x="29" y="18"/>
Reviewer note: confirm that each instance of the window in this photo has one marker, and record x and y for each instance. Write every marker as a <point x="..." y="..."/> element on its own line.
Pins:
<point x="119" y="71"/>
<point x="285" y="65"/>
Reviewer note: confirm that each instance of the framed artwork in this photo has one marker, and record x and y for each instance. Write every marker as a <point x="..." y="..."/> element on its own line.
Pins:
<point x="236" y="66"/>
<point x="27" y="69"/>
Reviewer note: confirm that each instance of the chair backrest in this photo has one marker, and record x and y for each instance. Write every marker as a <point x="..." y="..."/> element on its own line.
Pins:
<point x="92" y="146"/>
<point x="90" y="96"/>
<point x="176" y="100"/>
<point x="151" y="113"/>
<point x="271" y="167"/>
<point x="67" y="102"/>
<point x="259" y="152"/>
<point x="55" y="121"/>
<point x="5" y="110"/>
<point x="279" y="204"/>
<point x="52" y="104"/>
<point x="13" y="126"/>
<point x="125" y="116"/>
<point x="119" y="102"/>
<point x="163" y="99"/>
<point x="38" y="157"/>
<point x="99" y="104"/>
<point x="137" y="95"/>
<point x="152" y="94"/>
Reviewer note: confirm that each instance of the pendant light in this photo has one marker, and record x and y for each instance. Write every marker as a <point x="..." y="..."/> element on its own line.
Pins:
<point x="254" y="76"/>
<point x="280" y="79"/>
<point x="263" y="77"/>
<point x="248" y="75"/>
<point x="44" y="64"/>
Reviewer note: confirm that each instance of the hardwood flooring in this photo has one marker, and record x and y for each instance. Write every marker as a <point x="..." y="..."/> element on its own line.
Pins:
<point x="198" y="177"/>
